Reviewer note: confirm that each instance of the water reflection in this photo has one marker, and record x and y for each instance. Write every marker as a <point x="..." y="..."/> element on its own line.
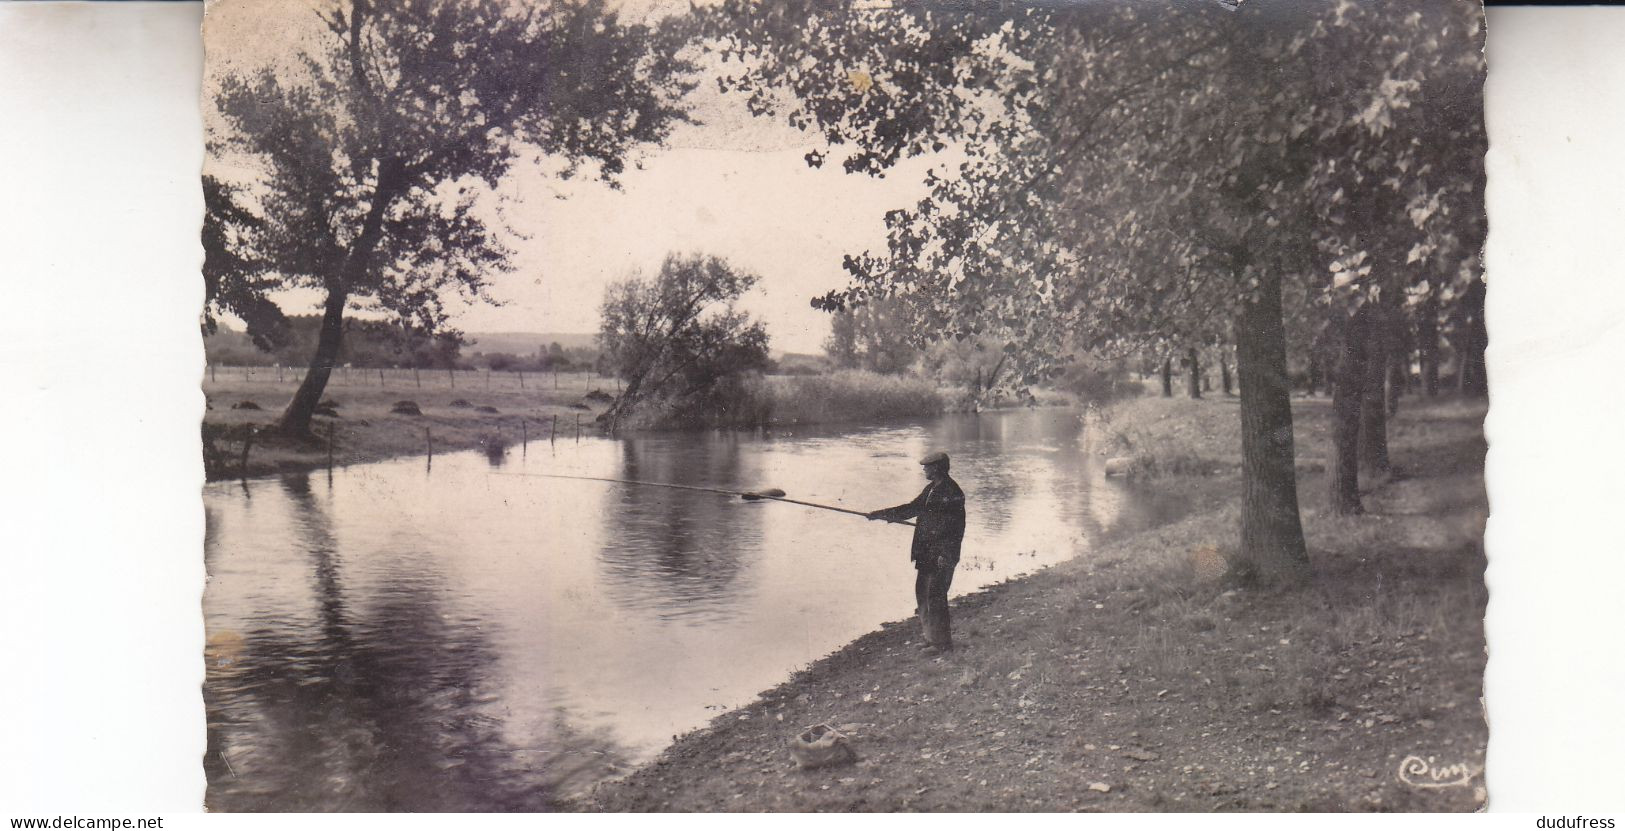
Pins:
<point x="677" y="552"/>
<point x="481" y="639"/>
<point x="382" y="703"/>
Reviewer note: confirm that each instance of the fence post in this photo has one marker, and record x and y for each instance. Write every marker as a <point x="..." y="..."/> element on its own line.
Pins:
<point x="521" y="379"/>
<point x="211" y="373"/>
<point x="452" y="374"/>
<point x="578" y="427"/>
<point x="416" y="379"/>
<point x="524" y="436"/>
<point x="553" y="435"/>
<point x="331" y="428"/>
<point x="380" y="377"/>
<point x="555" y="378"/>
<point x="428" y="438"/>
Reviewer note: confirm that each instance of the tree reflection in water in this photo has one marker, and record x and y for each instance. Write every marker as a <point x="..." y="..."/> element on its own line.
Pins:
<point x="391" y="707"/>
<point x="677" y="552"/>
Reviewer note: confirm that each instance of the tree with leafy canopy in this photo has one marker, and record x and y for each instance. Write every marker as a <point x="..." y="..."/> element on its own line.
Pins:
<point x="1398" y="209"/>
<point x="678" y="340"/>
<point x="367" y="159"/>
<point x="1129" y="173"/>
<point x="235" y="281"/>
<point x="875" y="336"/>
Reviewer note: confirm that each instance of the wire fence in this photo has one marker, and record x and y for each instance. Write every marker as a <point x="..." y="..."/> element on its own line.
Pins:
<point x="474" y="380"/>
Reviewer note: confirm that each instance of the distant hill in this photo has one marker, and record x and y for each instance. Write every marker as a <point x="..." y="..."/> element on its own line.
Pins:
<point x="525" y="343"/>
<point x="231" y="346"/>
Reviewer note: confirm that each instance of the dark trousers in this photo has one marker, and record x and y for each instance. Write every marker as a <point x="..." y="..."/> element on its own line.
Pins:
<point x="931" y="603"/>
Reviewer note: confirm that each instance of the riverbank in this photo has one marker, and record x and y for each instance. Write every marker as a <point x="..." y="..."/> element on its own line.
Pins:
<point x="1131" y="679"/>
<point x="475" y="410"/>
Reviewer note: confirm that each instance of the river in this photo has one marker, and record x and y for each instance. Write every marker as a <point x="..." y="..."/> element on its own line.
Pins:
<point x="458" y="634"/>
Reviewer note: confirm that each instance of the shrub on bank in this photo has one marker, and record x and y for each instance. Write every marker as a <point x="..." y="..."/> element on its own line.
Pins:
<point x="1146" y="438"/>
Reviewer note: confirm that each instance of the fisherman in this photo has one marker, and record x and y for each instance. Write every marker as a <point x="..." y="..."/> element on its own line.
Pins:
<point x="940" y="510"/>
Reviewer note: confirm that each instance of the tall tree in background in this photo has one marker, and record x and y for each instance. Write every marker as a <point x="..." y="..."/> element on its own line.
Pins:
<point x="1130" y="173"/>
<point x="365" y="161"/>
<point x="876" y="336"/>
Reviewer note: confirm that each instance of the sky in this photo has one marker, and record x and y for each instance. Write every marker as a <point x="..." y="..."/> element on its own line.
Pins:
<point x="736" y="187"/>
<point x="764" y="210"/>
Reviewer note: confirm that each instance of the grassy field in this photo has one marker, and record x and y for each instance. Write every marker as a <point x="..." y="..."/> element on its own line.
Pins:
<point x="366" y="430"/>
<point x="1133" y="679"/>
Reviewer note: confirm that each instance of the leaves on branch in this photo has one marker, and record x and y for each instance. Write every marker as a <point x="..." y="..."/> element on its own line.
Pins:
<point x="368" y="161"/>
<point x="1126" y="172"/>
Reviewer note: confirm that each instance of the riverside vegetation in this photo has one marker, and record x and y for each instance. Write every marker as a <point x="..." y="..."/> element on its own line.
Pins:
<point x="1134" y="678"/>
<point x="479" y="410"/>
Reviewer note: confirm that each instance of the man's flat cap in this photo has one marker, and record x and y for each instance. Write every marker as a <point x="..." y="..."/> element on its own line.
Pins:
<point x="937" y="458"/>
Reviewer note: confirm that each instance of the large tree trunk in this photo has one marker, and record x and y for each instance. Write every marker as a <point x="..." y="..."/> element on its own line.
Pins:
<point x="1474" y="380"/>
<point x="1398" y="379"/>
<point x="1272" y="546"/>
<point x="1193" y="380"/>
<point x="1224" y="374"/>
<point x="296" y="416"/>
<point x="1460" y="347"/>
<point x="1348" y="374"/>
<point x="1373" y="397"/>
<point x="1427" y="337"/>
<point x="1167" y="377"/>
<point x="625" y="402"/>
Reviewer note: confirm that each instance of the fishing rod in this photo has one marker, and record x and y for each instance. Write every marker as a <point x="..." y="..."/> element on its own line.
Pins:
<point x="778" y="496"/>
<point x="773" y="494"/>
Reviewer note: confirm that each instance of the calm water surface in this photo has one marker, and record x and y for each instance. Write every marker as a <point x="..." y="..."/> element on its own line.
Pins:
<point x="459" y="635"/>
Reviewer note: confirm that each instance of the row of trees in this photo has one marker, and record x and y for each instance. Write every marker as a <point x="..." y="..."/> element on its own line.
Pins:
<point x="369" y="343"/>
<point x="1427" y="337"/>
<point x="378" y="343"/>
<point x="1420" y="344"/>
<point x="1158" y="174"/>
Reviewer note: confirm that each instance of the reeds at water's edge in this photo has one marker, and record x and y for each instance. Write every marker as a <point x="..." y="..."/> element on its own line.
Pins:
<point x="756" y="401"/>
<point x="850" y="395"/>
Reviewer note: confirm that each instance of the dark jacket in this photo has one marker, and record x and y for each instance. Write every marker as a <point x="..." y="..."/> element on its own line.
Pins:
<point x="940" y="514"/>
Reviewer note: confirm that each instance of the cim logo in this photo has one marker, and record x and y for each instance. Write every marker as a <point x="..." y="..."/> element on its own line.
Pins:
<point x="1426" y="773"/>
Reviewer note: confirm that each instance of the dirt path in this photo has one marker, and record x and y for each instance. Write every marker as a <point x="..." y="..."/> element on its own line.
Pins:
<point x="1133" y="681"/>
